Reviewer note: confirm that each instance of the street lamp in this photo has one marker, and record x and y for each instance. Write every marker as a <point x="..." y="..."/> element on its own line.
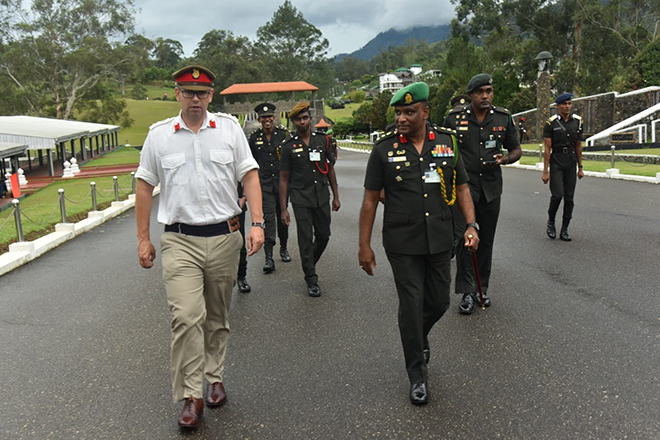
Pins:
<point x="544" y="60"/>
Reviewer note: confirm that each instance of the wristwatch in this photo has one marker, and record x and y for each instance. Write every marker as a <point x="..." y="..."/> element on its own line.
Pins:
<point x="474" y="225"/>
<point x="261" y="225"/>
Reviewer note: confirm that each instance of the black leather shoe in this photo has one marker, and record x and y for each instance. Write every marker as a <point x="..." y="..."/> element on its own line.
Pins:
<point x="486" y="300"/>
<point x="243" y="286"/>
<point x="269" y="265"/>
<point x="314" y="290"/>
<point x="551" y="231"/>
<point x="563" y="235"/>
<point x="285" y="255"/>
<point x="419" y="394"/>
<point x="466" y="307"/>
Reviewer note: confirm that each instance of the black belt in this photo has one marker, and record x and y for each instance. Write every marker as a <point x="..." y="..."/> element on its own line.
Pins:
<point x="222" y="228"/>
<point x="563" y="150"/>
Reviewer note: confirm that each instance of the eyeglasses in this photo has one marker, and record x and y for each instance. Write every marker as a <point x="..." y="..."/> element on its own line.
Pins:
<point x="201" y="94"/>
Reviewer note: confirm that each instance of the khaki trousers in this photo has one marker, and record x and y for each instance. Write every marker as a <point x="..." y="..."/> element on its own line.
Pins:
<point x="199" y="275"/>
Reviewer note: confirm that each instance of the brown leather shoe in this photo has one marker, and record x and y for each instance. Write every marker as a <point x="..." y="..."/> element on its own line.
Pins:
<point x="215" y="394"/>
<point x="191" y="413"/>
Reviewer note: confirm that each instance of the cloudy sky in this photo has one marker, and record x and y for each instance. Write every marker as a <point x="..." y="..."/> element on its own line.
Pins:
<point x="347" y="24"/>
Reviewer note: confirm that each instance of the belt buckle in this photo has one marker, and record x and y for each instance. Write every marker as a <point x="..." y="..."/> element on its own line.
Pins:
<point x="565" y="150"/>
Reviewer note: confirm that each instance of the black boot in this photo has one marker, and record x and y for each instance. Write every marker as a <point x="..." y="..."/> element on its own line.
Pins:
<point x="269" y="266"/>
<point x="563" y="235"/>
<point x="284" y="253"/>
<point x="551" y="231"/>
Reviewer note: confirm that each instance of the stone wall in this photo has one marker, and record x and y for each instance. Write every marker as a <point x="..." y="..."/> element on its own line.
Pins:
<point x="601" y="111"/>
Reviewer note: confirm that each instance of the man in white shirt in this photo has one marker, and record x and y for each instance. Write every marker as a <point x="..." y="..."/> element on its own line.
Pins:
<point x="197" y="158"/>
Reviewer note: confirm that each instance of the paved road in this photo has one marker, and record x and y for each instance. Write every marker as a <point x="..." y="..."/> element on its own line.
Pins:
<point x="569" y="349"/>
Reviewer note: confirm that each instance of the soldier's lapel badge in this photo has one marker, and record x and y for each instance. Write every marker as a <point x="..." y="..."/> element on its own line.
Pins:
<point x="431" y="135"/>
<point x="400" y="152"/>
<point x="398" y="178"/>
<point x="390" y="153"/>
<point x="407" y="164"/>
<point x="403" y="139"/>
<point x="395" y="145"/>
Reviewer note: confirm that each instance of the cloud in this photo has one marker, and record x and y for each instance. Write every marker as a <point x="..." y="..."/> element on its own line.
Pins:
<point x="347" y="24"/>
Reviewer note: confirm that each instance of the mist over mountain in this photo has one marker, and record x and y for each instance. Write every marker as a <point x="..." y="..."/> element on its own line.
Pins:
<point x="393" y="37"/>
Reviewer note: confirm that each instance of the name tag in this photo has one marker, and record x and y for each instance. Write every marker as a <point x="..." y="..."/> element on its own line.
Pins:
<point x="491" y="144"/>
<point x="298" y="150"/>
<point x="315" y="156"/>
<point x="397" y="159"/>
<point x="259" y="143"/>
<point x="431" y="176"/>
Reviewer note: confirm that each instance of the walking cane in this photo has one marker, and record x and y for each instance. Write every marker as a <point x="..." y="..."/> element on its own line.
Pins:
<point x="476" y="274"/>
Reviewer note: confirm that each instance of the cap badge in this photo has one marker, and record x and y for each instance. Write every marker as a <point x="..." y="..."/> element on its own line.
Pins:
<point x="265" y="108"/>
<point x="408" y="98"/>
<point x="195" y="73"/>
<point x="490" y="80"/>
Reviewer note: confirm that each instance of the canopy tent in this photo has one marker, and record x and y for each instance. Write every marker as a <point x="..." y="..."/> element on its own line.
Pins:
<point x="46" y="134"/>
<point x="12" y="151"/>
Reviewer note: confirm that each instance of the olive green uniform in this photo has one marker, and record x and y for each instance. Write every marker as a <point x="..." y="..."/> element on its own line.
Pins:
<point x="417" y="230"/>
<point x="479" y="142"/>
<point x="310" y="195"/>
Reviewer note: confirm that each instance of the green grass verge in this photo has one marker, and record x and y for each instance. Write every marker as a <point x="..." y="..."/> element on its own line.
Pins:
<point x="120" y="156"/>
<point x="636" y="169"/>
<point x="40" y="211"/>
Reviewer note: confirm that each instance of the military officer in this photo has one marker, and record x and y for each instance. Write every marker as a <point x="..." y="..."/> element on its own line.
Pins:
<point x="562" y="137"/>
<point x="420" y="170"/>
<point x="264" y="144"/>
<point x="306" y="172"/>
<point x="483" y="131"/>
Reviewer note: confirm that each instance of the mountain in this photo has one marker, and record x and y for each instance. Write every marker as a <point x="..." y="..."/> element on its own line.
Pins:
<point x="393" y="37"/>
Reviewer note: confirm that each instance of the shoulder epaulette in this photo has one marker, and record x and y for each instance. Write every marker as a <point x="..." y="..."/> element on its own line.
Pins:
<point x="578" y="117"/>
<point x="288" y="138"/>
<point x="553" y="117"/>
<point x="458" y="109"/>
<point x="164" y="121"/>
<point x="445" y="130"/>
<point x="501" y="110"/>
<point x="386" y="136"/>
<point x="227" y="115"/>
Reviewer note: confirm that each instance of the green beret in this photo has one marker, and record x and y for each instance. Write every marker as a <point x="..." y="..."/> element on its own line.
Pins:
<point x="411" y="94"/>
<point x="483" y="79"/>
<point x="298" y="108"/>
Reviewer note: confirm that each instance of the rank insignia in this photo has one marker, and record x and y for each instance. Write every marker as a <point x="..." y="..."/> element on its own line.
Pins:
<point x="408" y="99"/>
<point x="398" y="178"/>
<point x="390" y="153"/>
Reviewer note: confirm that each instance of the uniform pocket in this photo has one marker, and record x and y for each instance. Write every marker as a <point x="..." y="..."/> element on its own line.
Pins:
<point x="173" y="169"/>
<point x="223" y="163"/>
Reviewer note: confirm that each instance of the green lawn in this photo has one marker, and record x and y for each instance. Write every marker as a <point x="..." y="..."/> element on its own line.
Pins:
<point x="341" y="113"/>
<point x="145" y="113"/>
<point x="600" y="166"/>
<point x="121" y="156"/>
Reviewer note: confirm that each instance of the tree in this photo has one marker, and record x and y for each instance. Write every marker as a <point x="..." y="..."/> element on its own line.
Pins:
<point x="135" y="51"/>
<point x="294" y="49"/>
<point x="58" y="51"/>
<point x="167" y="53"/>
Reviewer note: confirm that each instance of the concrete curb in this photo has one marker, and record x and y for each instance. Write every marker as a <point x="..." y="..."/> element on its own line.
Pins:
<point x="612" y="173"/>
<point x="24" y="252"/>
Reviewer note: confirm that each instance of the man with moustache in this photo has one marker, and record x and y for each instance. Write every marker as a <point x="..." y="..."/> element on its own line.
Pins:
<point x="264" y="144"/>
<point x="562" y="137"/>
<point x="420" y="170"/>
<point x="198" y="158"/>
<point x="483" y="131"/>
<point x="306" y="172"/>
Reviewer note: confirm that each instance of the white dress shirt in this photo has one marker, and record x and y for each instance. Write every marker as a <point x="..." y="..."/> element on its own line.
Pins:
<point x="198" y="172"/>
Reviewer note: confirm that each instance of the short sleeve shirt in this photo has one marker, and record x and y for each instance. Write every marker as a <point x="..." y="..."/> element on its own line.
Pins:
<point x="198" y="172"/>
<point x="563" y="133"/>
